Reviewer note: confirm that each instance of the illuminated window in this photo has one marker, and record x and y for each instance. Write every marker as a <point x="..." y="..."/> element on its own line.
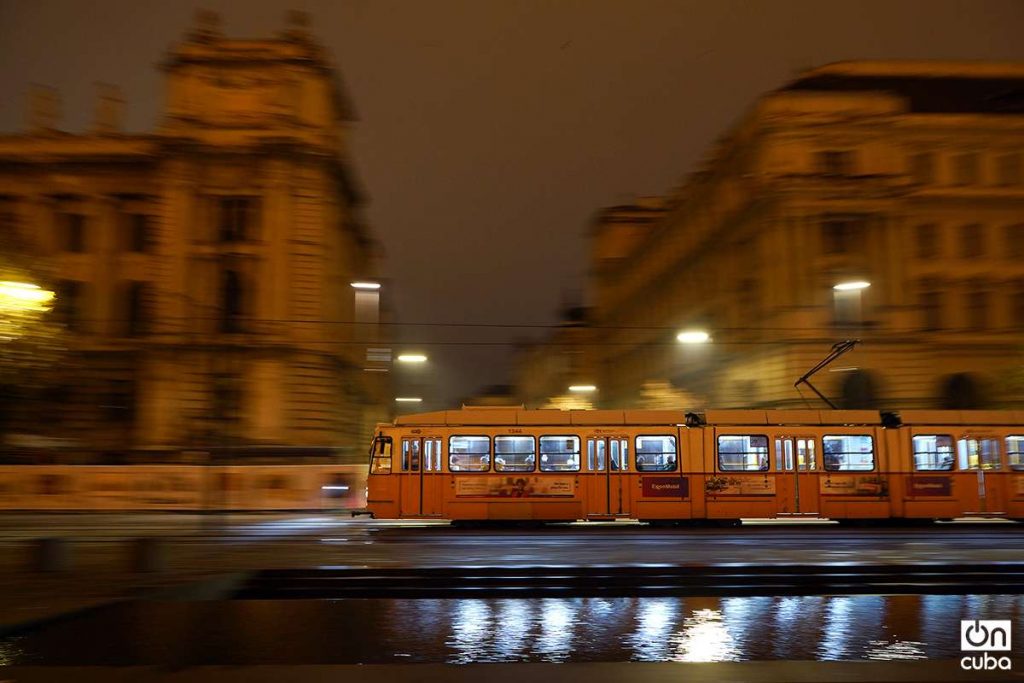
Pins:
<point x="742" y="452"/>
<point x="559" y="453"/>
<point x="922" y="168"/>
<point x="514" y="454"/>
<point x="1015" y="452"/>
<point x="432" y="455"/>
<point x="381" y="462"/>
<point x="469" y="453"/>
<point x="618" y="457"/>
<point x="410" y="455"/>
<point x="978" y="454"/>
<point x="595" y="455"/>
<point x="656" y="453"/>
<point x="933" y="452"/>
<point x="849" y="452"/>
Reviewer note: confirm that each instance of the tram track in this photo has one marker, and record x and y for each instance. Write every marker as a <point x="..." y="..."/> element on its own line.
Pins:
<point x="734" y="579"/>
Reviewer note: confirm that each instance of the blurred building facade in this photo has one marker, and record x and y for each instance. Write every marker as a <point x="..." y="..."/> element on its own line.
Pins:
<point x="203" y="270"/>
<point x="904" y="176"/>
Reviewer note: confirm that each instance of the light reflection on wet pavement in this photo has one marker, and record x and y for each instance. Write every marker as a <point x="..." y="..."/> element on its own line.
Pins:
<point x="462" y="631"/>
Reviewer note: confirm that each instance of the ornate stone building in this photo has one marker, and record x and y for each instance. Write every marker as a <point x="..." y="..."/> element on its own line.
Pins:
<point x="203" y="270"/>
<point x="901" y="182"/>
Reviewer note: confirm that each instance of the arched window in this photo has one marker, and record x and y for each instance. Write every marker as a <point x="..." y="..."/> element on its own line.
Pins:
<point x="960" y="391"/>
<point x="859" y="391"/>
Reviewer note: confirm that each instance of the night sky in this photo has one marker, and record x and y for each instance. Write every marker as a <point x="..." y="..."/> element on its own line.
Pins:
<point x="490" y="131"/>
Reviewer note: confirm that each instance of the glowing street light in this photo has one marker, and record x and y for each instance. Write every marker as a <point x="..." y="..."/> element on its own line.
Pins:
<point x="693" y="337"/>
<point x="851" y="286"/>
<point x="365" y="285"/>
<point x="24" y="296"/>
<point x="582" y="388"/>
<point x="408" y="399"/>
<point x="412" y="358"/>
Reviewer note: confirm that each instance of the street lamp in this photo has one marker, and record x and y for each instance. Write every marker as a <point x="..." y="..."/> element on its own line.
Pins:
<point x="582" y="388"/>
<point x="693" y="337"/>
<point x="408" y="399"/>
<point x="851" y="286"/>
<point x="362" y="284"/>
<point x="412" y="358"/>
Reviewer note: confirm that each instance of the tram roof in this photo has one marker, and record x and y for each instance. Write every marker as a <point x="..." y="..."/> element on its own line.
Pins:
<point x="541" y="417"/>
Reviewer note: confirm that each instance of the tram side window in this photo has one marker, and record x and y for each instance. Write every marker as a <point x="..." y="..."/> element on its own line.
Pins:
<point x="742" y="453"/>
<point x="381" y="456"/>
<point x="933" y="452"/>
<point x="514" y="453"/>
<point x="849" y="453"/>
<point x="655" y="453"/>
<point x="978" y="454"/>
<point x="618" y="456"/>
<point x="559" y="454"/>
<point x="1015" y="452"/>
<point x="469" y="453"/>
<point x="410" y="455"/>
<point x="431" y="455"/>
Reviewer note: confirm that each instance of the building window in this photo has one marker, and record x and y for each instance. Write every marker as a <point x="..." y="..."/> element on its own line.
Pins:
<point x="237" y="219"/>
<point x="120" y="403"/>
<point x="930" y="301"/>
<point x="72" y="232"/>
<point x="972" y="240"/>
<point x="469" y="453"/>
<point x="1013" y="241"/>
<point x="137" y="232"/>
<point x="737" y="453"/>
<point x="922" y="168"/>
<point x="232" y="307"/>
<point x="965" y="169"/>
<point x="137" y="311"/>
<point x="927" y="241"/>
<point x="977" y="308"/>
<point x="226" y="398"/>
<point x="848" y="452"/>
<point x="68" y="304"/>
<point x="1008" y="169"/>
<point x="835" y="162"/>
<point x="840" y="234"/>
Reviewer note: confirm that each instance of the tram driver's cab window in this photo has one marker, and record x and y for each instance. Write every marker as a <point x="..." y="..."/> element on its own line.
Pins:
<point x="1015" y="452"/>
<point x="933" y="452"/>
<point x="849" y="453"/>
<point x="380" y="455"/>
<point x="469" y="453"/>
<point x="514" y="454"/>
<point x="656" y="453"/>
<point x="742" y="453"/>
<point x="559" y="454"/>
<point x="978" y="454"/>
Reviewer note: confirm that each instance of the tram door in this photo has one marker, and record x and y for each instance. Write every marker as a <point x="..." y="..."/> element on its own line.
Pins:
<point x="983" y="491"/>
<point x="607" y="462"/>
<point x="422" y="482"/>
<point x="796" y="461"/>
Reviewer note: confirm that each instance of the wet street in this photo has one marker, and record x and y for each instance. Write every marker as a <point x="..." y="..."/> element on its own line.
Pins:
<point x="304" y="540"/>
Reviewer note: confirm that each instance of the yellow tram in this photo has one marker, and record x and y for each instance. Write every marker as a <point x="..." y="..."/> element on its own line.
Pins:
<point x="665" y="465"/>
